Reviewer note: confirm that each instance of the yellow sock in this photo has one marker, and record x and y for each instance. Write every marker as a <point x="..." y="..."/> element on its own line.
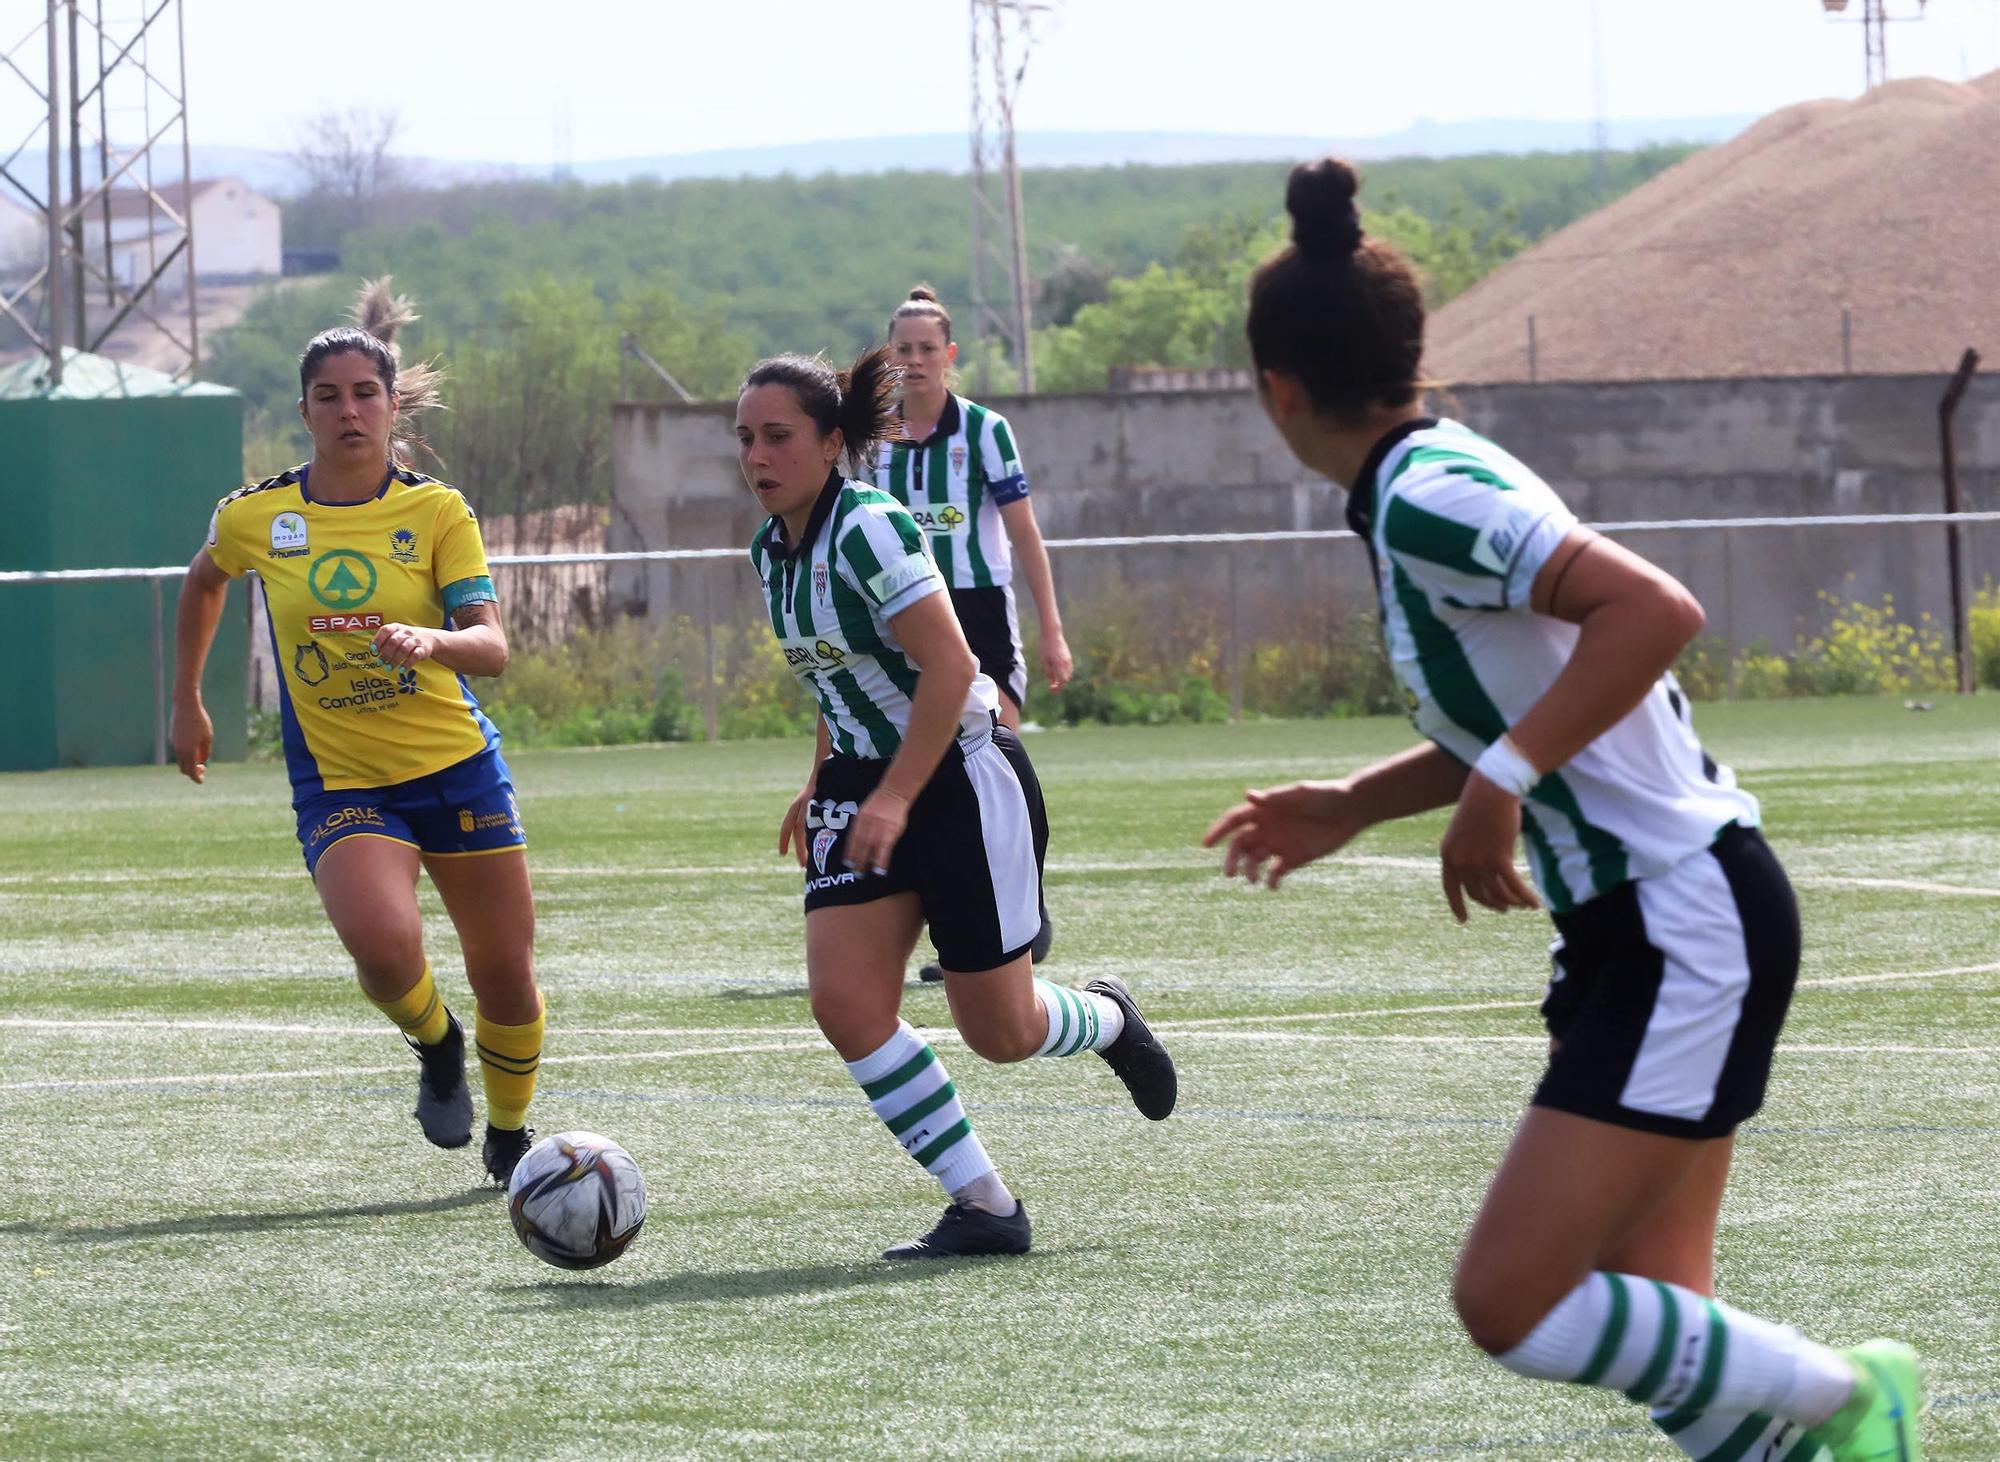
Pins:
<point x="509" y="1057"/>
<point x="418" y="1012"/>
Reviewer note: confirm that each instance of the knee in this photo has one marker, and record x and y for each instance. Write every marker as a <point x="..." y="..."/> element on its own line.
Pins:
<point x="1001" y="1042"/>
<point x="1489" y="1309"/>
<point x="386" y="963"/>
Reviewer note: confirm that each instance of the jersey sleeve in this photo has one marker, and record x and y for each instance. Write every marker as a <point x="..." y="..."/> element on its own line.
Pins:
<point x="225" y="544"/>
<point x="881" y="552"/>
<point x="1006" y="479"/>
<point x="1462" y="534"/>
<point x="459" y="562"/>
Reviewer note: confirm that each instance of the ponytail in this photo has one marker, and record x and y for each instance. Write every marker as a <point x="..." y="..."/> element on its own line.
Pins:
<point x="859" y="402"/>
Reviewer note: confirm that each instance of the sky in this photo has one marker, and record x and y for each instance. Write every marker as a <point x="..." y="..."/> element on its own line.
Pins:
<point x="514" y="81"/>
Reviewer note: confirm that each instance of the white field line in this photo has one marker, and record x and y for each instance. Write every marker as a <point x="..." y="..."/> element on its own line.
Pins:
<point x="1173" y="862"/>
<point x="1201" y="1025"/>
<point x="231" y="1078"/>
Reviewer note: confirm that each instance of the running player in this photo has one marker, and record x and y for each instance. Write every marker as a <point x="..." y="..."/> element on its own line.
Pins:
<point x="1535" y="657"/>
<point x="954" y="465"/>
<point x="379" y="604"/>
<point x="920" y="805"/>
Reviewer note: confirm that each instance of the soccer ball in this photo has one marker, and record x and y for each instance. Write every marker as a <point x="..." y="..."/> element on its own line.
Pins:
<point x="577" y="1200"/>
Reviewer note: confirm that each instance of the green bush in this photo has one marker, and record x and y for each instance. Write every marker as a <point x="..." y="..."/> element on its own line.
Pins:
<point x="1985" y="626"/>
<point x="1863" y="649"/>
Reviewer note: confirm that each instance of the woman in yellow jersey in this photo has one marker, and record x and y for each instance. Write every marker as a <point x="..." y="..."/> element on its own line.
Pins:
<point x="379" y="604"/>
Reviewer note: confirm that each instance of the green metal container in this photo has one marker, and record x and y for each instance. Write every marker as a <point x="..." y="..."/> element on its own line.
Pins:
<point x="117" y="467"/>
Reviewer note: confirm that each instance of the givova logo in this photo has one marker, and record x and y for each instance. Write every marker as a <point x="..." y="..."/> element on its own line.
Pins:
<point x="827" y="813"/>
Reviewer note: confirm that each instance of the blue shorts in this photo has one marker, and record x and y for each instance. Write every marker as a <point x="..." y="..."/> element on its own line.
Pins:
<point x="466" y="809"/>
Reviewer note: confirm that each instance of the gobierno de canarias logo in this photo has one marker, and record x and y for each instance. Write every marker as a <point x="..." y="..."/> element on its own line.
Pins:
<point x="342" y="579"/>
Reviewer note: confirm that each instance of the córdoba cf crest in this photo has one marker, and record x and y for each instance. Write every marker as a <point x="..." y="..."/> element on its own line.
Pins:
<point x="823" y="842"/>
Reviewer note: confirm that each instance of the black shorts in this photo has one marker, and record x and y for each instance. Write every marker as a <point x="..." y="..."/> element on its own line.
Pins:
<point x="971" y="852"/>
<point x="993" y="630"/>
<point x="1669" y="992"/>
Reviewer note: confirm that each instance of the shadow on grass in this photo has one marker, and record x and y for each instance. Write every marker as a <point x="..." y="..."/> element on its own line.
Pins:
<point x="249" y="1223"/>
<point x="780" y="992"/>
<point x="695" y="1286"/>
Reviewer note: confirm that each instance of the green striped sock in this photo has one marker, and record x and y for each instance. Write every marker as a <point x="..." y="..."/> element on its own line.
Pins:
<point x="907" y="1086"/>
<point x="1732" y="1436"/>
<point x="1684" y="1355"/>
<point x="1079" y="1020"/>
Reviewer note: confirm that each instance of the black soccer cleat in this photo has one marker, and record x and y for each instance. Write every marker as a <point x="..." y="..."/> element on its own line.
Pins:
<point x="964" y="1232"/>
<point x="444" y="1102"/>
<point x="932" y="973"/>
<point x="1141" y="1062"/>
<point x="504" y="1149"/>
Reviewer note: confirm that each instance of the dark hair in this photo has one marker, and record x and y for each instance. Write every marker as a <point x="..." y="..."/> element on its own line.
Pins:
<point x="922" y="305"/>
<point x="860" y="401"/>
<point x="340" y="341"/>
<point x="1343" y="313"/>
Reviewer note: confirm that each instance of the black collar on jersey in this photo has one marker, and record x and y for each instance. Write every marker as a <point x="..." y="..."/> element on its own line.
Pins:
<point x="305" y="488"/>
<point x="947" y="424"/>
<point x="1361" y="493"/>
<point x="774" y="531"/>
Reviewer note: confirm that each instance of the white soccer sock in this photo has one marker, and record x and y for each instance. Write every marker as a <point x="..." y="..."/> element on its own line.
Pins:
<point x="1753" y="1438"/>
<point x="1079" y="1020"/>
<point x="907" y="1086"/>
<point x="1681" y="1353"/>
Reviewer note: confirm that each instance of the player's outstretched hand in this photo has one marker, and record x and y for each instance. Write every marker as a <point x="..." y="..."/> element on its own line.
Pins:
<point x="1277" y="829"/>
<point x="874" y="830"/>
<point x="401" y="645"/>
<point x="1477" y="855"/>
<point x="792" y="830"/>
<point x="193" y="737"/>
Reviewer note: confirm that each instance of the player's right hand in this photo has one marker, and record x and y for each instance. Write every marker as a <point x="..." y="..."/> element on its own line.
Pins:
<point x="193" y="737"/>
<point x="792" y="830"/>
<point x="1278" y="829"/>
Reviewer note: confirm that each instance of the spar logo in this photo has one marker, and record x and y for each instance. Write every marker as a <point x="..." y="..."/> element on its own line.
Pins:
<point x="341" y="624"/>
<point x="342" y="579"/>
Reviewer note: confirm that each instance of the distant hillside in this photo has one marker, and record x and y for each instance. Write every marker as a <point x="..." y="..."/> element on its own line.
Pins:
<point x="270" y="169"/>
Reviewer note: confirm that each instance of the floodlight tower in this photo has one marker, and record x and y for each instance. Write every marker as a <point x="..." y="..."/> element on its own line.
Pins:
<point x="1002" y="36"/>
<point x="104" y="255"/>
<point x="1875" y="19"/>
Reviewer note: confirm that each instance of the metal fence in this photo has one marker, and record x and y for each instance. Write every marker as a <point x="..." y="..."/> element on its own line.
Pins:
<point x="1239" y="593"/>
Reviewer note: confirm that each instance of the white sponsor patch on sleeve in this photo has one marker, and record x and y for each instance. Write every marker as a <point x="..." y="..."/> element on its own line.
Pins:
<point x="900" y="577"/>
<point x="1500" y="539"/>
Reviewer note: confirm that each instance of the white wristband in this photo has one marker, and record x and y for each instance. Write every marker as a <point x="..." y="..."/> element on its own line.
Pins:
<point x="1503" y="765"/>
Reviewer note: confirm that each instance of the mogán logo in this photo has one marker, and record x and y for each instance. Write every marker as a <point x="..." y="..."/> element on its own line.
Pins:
<point x="288" y="536"/>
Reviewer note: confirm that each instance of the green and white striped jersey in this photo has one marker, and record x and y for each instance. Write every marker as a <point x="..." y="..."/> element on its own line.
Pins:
<point x="954" y="482"/>
<point x="1457" y="530"/>
<point x="861" y="562"/>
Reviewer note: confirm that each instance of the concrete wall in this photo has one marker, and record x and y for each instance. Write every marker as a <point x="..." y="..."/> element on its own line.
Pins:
<point x="1151" y="463"/>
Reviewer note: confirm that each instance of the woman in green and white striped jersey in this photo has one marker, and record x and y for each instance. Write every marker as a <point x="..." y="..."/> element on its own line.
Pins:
<point x="919" y="808"/>
<point x="1536" y="659"/>
<point x="955" y="466"/>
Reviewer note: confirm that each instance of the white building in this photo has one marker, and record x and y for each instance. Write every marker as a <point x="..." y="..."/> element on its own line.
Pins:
<point x="237" y="234"/>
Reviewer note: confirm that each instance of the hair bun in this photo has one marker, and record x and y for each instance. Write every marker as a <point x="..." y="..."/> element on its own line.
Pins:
<point x="924" y="292"/>
<point x="1320" y="198"/>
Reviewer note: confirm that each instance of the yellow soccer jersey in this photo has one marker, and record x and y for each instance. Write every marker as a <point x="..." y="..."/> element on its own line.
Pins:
<point x="335" y="573"/>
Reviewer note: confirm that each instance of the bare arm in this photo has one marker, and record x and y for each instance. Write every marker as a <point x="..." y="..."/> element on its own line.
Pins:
<point x="1633" y="620"/>
<point x="1281" y="828"/>
<point x="478" y="646"/>
<point x="930" y="636"/>
<point x="1024" y="533"/>
<point x="792" y="830"/>
<point x="204" y="591"/>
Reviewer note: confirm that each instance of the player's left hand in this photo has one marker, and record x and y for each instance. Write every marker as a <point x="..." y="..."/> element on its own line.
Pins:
<point x="402" y="645"/>
<point x="1056" y="661"/>
<point x="875" y="829"/>
<point x="1477" y="854"/>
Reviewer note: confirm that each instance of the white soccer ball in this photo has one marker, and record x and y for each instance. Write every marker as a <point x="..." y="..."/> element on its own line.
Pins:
<point x="577" y="1200"/>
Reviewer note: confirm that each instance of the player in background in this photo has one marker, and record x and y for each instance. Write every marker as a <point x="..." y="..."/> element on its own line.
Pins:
<point x="920" y="806"/>
<point x="954" y="465"/>
<point x="1536" y="658"/>
<point x="379" y="605"/>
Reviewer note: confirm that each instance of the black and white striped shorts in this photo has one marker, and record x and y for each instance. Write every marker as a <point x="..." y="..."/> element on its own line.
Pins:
<point x="972" y="850"/>
<point x="1668" y="993"/>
